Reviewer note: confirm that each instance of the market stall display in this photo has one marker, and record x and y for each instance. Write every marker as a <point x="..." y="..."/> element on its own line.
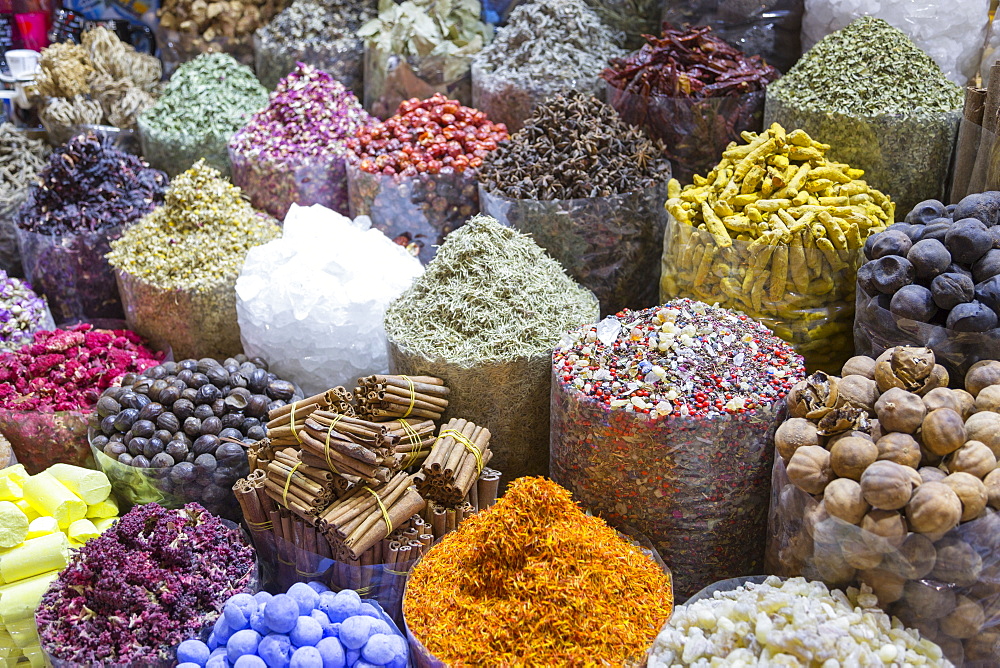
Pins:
<point x="21" y="159"/>
<point x="22" y="313"/>
<point x="87" y="194"/>
<point x="898" y="124"/>
<point x="589" y="189"/>
<point x="307" y="626"/>
<point x="662" y="420"/>
<point x="318" y="33"/>
<point x="294" y="150"/>
<point x="546" y="46"/>
<point x="203" y="104"/>
<point x="886" y="477"/>
<point x="789" y="620"/>
<point x="178" y="431"/>
<point x="932" y="281"/>
<point x="314" y="299"/>
<point x="417" y="48"/>
<point x="170" y="571"/>
<point x="188" y="28"/>
<point x="467" y="320"/>
<point x="776" y="231"/>
<point x="414" y="174"/>
<point x="177" y="267"/>
<point x="101" y="81"/>
<point x="49" y="387"/>
<point x="42" y="517"/>
<point x="534" y="580"/>
<point x="691" y="90"/>
<point x="634" y="19"/>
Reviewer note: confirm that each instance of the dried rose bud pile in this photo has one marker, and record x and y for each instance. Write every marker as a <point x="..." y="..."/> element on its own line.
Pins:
<point x="152" y="580"/>
<point x="436" y="135"/>
<point x="22" y="312"/>
<point x="68" y="369"/>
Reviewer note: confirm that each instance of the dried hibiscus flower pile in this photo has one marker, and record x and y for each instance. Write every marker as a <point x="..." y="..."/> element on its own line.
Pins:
<point x="68" y="369"/>
<point x="152" y="580"/>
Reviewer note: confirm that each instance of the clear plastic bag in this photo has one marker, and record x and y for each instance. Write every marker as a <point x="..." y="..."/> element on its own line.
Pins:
<point x="814" y="312"/>
<point x="695" y="132"/>
<point x="805" y="541"/>
<point x="907" y="158"/>
<point x="41" y="439"/>
<point x="10" y="255"/>
<point x="273" y="61"/>
<point x="634" y="18"/>
<point x="72" y="273"/>
<point x="391" y="79"/>
<point x="175" y="153"/>
<point x="194" y="323"/>
<point x="415" y="211"/>
<point x="177" y="48"/>
<point x="274" y="185"/>
<point x="610" y="245"/>
<point x="138" y="486"/>
<point x="698" y="488"/>
<point x="876" y="330"/>
<point x="769" y="28"/>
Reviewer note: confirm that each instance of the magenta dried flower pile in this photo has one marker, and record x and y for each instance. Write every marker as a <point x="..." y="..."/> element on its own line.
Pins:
<point x="155" y="578"/>
<point x="68" y="369"/>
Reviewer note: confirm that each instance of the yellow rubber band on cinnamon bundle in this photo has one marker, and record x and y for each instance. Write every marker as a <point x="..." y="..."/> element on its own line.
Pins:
<point x="413" y="395"/>
<point x="288" y="483"/>
<point x="469" y="445"/>
<point x="295" y="433"/>
<point x="381" y="506"/>
<point x="414" y="438"/>
<point x="326" y="450"/>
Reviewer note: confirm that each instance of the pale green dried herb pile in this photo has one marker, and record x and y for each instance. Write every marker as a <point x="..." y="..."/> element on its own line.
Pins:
<point x="490" y="295"/>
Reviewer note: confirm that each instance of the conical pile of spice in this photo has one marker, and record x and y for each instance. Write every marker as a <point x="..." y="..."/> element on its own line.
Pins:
<point x="535" y="581"/>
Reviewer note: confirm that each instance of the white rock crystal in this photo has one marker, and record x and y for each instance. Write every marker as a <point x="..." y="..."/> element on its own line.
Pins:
<point x="789" y="623"/>
<point x="952" y="36"/>
<point x="313" y="301"/>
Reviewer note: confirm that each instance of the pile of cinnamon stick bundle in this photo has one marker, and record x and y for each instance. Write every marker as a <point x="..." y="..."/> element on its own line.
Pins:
<point x="977" y="151"/>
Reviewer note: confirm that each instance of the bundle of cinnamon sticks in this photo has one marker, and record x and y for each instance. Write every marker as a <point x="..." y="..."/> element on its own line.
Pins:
<point x="443" y="519"/>
<point x="284" y="424"/>
<point x="976" y="165"/>
<point x="457" y="459"/>
<point x="389" y="397"/>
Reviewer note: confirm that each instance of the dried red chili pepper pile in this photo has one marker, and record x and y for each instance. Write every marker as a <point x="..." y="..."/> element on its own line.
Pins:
<point x="689" y="63"/>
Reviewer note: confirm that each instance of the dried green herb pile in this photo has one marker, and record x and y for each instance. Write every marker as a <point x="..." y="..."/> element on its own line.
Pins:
<point x="21" y="159"/>
<point x="867" y="69"/>
<point x="490" y="295"/>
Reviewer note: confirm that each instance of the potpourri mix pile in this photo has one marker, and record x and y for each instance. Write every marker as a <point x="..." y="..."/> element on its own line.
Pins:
<point x="22" y="312"/>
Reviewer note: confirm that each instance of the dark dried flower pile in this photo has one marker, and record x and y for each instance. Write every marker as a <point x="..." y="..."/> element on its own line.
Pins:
<point x="152" y="580"/>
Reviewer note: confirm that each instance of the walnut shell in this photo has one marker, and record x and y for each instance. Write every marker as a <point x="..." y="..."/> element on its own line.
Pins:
<point x="942" y="397"/>
<point x="899" y="410"/>
<point x="857" y="391"/>
<point x="887" y="586"/>
<point x="849" y="457"/>
<point x="793" y="434"/>
<point x="985" y="428"/>
<point x="900" y="448"/>
<point x="992" y="483"/>
<point x="957" y="562"/>
<point x="988" y="399"/>
<point x="843" y="499"/>
<point x="943" y="431"/>
<point x="973" y="457"/>
<point x="931" y="474"/>
<point x="884" y="530"/>
<point x="887" y="485"/>
<point x="971" y="492"/>
<point x="860" y="365"/>
<point x="809" y="469"/>
<point x="981" y="375"/>
<point x="934" y="509"/>
<point x="929" y="601"/>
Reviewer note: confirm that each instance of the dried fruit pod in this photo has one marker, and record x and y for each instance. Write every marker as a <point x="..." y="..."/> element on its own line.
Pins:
<point x="957" y="562"/>
<point x="884" y="530"/>
<point x="942" y="397"/>
<point x="973" y="457"/>
<point x="858" y="554"/>
<point x="966" y="620"/>
<point x="813" y="397"/>
<point x="912" y="365"/>
<point x="899" y="410"/>
<point x="992" y="483"/>
<point x="967" y="401"/>
<point x="985" y="428"/>
<point x="981" y="375"/>
<point x="943" y="431"/>
<point x="831" y="567"/>
<point x="934" y="509"/>
<point x="915" y="558"/>
<point x="971" y="492"/>
<point x="938" y="378"/>
<point x="843" y="499"/>
<point x="793" y="434"/>
<point x="887" y="586"/>
<point x="885" y="378"/>
<point x="887" y="485"/>
<point x="900" y="448"/>
<point x="851" y="456"/>
<point x="988" y="399"/>
<point x="860" y="365"/>
<point x="857" y="391"/>
<point x="931" y="474"/>
<point x="927" y="600"/>
<point x="809" y="469"/>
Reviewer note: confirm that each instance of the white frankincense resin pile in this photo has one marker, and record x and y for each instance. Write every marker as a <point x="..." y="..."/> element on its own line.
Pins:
<point x="789" y="623"/>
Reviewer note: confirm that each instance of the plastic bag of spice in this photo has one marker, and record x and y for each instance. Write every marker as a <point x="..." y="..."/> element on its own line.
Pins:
<point x="877" y="329"/>
<point x="177" y="48"/>
<point x="70" y="270"/>
<point x="391" y="78"/>
<point x="414" y="211"/>
<point x="195" y="323"/>
<point x="947" y="587"/>
<point x="770" y="28"/>
<point x="41" y="439"/>
<point x="274" y="185"/>
<point x="608" y="244"/>
<point x="274" y="60"/>
<point x="10" y="255"/>
<point x="695" y="131"/>
<point x="175" y="153"/>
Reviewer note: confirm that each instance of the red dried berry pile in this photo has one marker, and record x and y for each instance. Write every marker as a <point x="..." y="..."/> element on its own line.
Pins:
<point x="68" y="369"/>
<point x="436" y="135"/>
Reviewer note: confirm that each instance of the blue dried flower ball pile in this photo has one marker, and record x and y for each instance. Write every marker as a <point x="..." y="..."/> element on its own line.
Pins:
<point x="307" y="627"/>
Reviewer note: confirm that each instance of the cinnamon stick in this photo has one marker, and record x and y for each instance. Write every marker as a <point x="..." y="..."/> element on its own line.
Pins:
<point x="409" y="503"/>
<point x="967" y="145"/>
